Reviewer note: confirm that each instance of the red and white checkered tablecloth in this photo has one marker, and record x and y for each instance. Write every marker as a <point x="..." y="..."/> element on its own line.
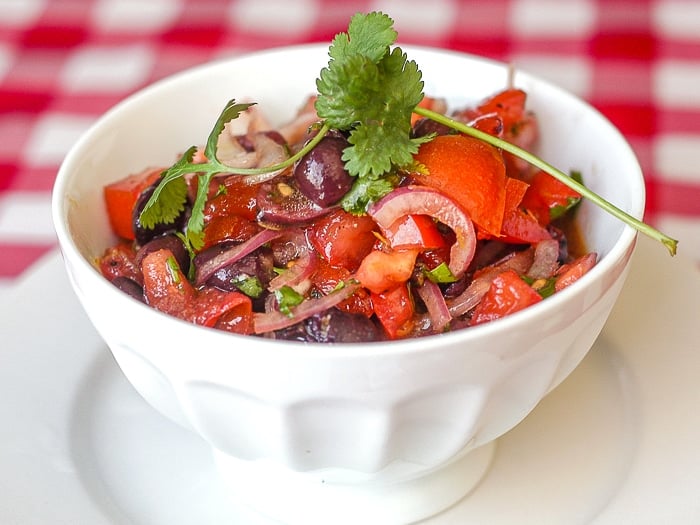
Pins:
<point x="64" y="62"/>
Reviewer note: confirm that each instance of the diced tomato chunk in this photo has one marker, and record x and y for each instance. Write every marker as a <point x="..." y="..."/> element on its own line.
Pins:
<point x="547" y="198"/>
<point x="229" y="228"/>
<point x="518" y="225"/>
<point x="509" y="104"/>
<point x="120" y="199"/>
<point x="507" y="294"/>
<point x="415" y="231"/>
<point x="522" y="228"/>
<point x="230" y="310"/>
<point x="167" y="289"/>
<point x="237" y="198"/>
<point x="326" y="278"/>
<point x="470" y="172"/>
<point x="343" y="239"/>
<point x="120" y="261"/>
<point x="380" y="270"/>
<point x="394" y="309"/>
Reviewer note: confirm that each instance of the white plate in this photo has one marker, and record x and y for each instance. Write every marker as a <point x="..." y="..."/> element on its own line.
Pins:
<point x="618" y="442"/>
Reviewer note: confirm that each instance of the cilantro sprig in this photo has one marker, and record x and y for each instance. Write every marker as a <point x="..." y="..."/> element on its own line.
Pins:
<point x="368" y="90"/>
<point x="571" y="182"/>
<point x="170" y="196"/>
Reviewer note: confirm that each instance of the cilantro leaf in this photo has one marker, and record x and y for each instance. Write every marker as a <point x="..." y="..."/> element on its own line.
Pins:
<point x="346" y="89"/>
<point x="369" y="34"/>
<point x="287" y="298"/>
<point x="168" y="199"/>
<point x="230" y="112"/>
<point x="251" y="286"/>
<point x="440" y="274"/>
<point x="364" y="191"/>
<point x="371" y="91"/>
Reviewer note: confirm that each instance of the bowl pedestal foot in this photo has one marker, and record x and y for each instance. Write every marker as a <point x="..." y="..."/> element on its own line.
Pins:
<point x="294" y="498"/>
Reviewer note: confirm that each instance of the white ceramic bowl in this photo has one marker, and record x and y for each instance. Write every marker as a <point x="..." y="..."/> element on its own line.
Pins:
<point x="357" y="433"/>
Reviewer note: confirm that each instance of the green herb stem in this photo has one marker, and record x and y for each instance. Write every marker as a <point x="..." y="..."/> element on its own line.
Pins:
<point x="219" y="168"/>
<point x="671" y="244"/>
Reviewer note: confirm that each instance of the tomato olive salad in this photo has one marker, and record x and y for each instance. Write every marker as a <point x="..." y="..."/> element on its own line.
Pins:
<point x="377" y="213"/>
<point x="468" y="236"/>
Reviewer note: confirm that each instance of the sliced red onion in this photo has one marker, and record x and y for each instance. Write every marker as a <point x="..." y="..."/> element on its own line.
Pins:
<point x="519" y="261"/>
<point x="231" y="255"/>
<point x="428" y="201"/>
<point x="276" y="320"/>
<point x="256" y="150"/>
<point x="232" y="153"/>
<point x="470" y="297"/>
<point x="573" y="271"/>
<point x="269" y="153"/>
<point x="546" y="260"/>
<point x="434" y="301"/>
<point x="302" y="268"/>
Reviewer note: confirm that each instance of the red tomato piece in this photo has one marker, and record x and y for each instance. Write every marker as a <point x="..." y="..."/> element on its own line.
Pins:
<point x="547" y="198"/>
<point x="519" y="226"/>
<point x="232" y="311"/>
<point x="507" y="294"/>
<point x="237" y="320"/>
<point x="120" y="261"/>
<point x="326" y="278"/>
<point x="343" y="239"/>
<point x="380" y="271"/>
<point x="520" y="127"/>
<point x="121" y="196"/>
<point x="415" y="231"/>
<point x="164" y="285"/>
<point x="470" y="172"/>
<point x="238" y="198"/>
<point x="167" y="289"/>
<point x="509" y="104"/>
<point x="229" y="228"/>
<point x="394" y="309"/>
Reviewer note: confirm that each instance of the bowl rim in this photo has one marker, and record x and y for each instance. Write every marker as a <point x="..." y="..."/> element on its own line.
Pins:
<point x="462" y="337"/>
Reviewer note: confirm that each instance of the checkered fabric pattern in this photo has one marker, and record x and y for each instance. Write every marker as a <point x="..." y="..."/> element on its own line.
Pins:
<point x="64" y="62"/>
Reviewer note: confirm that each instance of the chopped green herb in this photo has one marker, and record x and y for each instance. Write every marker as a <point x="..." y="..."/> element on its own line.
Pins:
<point x="555" y="212"/>
<point x="287" y="297"/>
<point x="559" y="211"/>
<point x="251" y="286"/>
<point x="221" y="190"/>
<point x="544" y="287"/>
<point x="547" y="288"/>
<point x="441" y="274"/>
